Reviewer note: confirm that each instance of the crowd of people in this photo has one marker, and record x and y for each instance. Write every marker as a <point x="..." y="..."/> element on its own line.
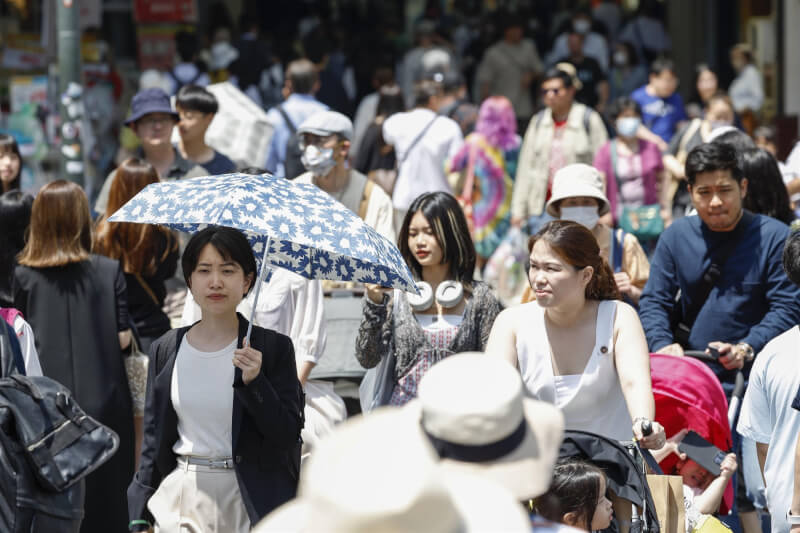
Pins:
<point x="653" y="227"/>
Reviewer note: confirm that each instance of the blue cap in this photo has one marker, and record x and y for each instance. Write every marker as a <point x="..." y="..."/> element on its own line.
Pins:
<point x="148" y="101"/>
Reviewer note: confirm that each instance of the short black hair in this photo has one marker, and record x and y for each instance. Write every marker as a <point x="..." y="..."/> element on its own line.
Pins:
<point x="736" y="138"/>
<point x="253" y="171"/>
<point x="231" y="244"/>
<point x="446" y="218"/>
<point x="709" y="157"/>
<point x="196" y="98"/>
<point x="791" y="257"/>
<point x="187" y="45"/>
<point x="556" y="73"/>
<point x="622" y="104"/>
<point x="660" y="64"/>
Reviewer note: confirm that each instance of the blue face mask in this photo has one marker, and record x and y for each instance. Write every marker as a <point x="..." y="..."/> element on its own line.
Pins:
<point x="628" y="126"/>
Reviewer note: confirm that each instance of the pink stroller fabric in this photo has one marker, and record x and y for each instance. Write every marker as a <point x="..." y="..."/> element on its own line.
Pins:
<point x="689" y="395"/>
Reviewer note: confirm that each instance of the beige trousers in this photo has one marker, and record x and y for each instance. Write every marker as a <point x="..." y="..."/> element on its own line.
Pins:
<point x="199" y="499"/>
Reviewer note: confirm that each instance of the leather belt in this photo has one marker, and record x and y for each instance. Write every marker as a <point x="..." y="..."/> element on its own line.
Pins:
<point x="222" y="462"/>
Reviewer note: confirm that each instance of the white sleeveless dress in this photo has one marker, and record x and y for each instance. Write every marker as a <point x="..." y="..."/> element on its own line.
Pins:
<point x="596" y="405"/>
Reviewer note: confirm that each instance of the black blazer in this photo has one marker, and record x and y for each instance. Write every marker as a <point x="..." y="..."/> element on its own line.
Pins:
<point x="267" y="419"/>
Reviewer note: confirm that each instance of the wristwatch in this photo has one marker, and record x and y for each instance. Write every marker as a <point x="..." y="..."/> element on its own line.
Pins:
<point x="793" y="519"/>
<point x="747" y="351"/>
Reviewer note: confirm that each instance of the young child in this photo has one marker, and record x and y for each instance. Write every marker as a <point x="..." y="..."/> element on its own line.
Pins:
<point x="702" y="492"/>
<point x="577" y="497"/>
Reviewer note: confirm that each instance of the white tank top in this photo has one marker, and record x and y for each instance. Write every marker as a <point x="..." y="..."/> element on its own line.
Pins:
<point x="596" y="404"/>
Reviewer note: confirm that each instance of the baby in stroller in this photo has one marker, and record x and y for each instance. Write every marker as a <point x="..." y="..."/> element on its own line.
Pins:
<point x="702" y="492"/>
<point x="577" y="497"/>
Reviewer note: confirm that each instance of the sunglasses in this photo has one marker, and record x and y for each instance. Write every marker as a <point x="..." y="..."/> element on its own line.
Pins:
<point x="545" y="92"/>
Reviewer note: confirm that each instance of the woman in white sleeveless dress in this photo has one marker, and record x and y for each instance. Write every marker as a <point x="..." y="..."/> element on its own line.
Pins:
<point x="577" y="345"/>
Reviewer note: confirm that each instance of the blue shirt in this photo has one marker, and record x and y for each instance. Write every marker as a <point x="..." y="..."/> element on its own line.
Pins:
<point x="299" y="107"/>
<point x="753" y="301"/>
<point x="660" y="115"/>
<point x="219" y="164"/>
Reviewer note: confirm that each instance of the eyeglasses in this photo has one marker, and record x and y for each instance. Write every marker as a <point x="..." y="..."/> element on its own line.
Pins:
<point x="545" y="92"/>
<point x="158" y="120"/>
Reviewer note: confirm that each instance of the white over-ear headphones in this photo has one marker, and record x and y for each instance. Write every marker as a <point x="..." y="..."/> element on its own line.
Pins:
<point x="448" y="294"/>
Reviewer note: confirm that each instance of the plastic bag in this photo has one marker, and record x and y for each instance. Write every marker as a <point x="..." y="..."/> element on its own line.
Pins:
<point x="505" y="271"/>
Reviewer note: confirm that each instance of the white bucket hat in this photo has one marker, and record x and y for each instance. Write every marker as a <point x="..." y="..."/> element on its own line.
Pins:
<point x="577" y="179"/>
<point x="473" y="410"/>
<point x="376" y="473"/>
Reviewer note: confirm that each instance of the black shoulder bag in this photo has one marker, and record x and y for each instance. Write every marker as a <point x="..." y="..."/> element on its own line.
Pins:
<point x="684" y="321"/>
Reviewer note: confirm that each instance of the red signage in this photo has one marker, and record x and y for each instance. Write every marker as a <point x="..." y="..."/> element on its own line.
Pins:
<point x="165" y="10"/>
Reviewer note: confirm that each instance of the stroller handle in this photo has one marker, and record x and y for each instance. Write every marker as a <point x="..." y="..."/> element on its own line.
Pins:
<point x="700" y="355"/>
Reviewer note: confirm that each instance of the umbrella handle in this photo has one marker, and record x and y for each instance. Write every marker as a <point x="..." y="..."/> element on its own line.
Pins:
<point x="261" y="273"/>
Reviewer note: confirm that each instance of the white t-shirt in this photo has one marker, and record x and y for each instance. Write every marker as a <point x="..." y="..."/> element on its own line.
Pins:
<point x="422" y="169"/>
<point x="202" y="396"/>
<point x="767" y="417"/>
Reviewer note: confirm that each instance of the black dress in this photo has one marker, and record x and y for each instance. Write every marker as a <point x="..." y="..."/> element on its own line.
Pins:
<point x="75" y="312"/>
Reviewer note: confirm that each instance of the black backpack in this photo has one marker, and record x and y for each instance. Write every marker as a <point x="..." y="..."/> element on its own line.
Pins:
<point x="292" y="165"/>
<point x="48" y="445"/>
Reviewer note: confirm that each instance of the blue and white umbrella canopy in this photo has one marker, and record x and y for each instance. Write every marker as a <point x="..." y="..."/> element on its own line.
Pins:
<point x="308" y="232"/>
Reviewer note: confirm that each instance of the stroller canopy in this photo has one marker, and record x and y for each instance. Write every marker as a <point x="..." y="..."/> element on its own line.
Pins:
<point x="689" y="395"/>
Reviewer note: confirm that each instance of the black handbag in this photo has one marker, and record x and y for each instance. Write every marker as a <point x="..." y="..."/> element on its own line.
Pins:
<point x="48" y="445"/>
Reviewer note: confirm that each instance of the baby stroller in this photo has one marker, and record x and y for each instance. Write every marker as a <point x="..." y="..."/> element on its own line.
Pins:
<point x="689" y="395"/>
<point x="623" y="468"/>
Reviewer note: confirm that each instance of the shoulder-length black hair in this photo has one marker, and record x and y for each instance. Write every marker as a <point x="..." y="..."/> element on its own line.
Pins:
<point x="766" y="192"/>
<point x="449" y="226"/>
<point x="15" y="216"/>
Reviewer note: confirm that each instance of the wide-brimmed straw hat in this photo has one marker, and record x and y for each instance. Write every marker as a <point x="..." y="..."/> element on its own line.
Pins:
<point x="376" y="473"/>
<point x="473" y="409"/>
<point x="577" y="179"/>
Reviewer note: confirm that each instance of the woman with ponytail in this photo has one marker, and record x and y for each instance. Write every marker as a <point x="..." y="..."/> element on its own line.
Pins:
<point x="578" y="346"/>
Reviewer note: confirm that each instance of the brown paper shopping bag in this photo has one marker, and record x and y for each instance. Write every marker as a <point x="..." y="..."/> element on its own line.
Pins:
<point x="667" y="494"/>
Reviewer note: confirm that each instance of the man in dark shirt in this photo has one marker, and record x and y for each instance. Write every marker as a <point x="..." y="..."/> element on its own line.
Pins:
<point x="196" y="109"/>
<point x="594" y="92"/>
<point x="750" y="302"/>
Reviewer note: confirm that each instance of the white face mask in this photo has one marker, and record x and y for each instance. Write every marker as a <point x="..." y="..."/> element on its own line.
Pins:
<point x="620" y="58"/>
<point x="628" y="126"/>
<point x="318" y="161"/>
<point x="586" y="216"/>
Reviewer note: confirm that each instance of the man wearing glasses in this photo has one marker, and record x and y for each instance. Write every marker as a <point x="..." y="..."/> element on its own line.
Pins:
<point x="152" y="119"/>
<point x="565" y="132"/>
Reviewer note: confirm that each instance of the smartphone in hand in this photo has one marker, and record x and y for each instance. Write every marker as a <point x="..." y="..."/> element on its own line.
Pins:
<point x="702" y="452"/>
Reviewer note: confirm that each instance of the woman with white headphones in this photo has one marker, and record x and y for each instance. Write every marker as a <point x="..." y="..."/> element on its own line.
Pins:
<point x="405" y="333"/>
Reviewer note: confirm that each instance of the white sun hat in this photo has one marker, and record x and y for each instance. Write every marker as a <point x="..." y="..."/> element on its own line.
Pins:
<point x="376" y="473"/>
<point x="473" y="409"/>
